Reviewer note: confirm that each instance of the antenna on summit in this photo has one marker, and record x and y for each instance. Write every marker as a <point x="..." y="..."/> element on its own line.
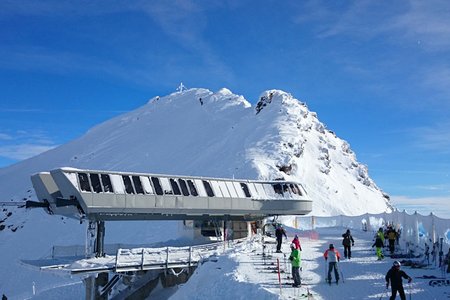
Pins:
<point x="181" y="87"/>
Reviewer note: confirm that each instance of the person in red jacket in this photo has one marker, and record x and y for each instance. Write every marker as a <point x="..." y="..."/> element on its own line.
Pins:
<point x="296" y="242"/>
<point x="332" y="256"/>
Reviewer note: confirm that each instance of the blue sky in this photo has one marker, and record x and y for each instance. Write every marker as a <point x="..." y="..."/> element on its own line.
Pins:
<point x="376" y="72"/>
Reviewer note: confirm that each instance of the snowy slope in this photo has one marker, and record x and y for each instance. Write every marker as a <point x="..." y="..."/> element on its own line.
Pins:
<point x="195" y="132"/>
<point x="242" y="273"/>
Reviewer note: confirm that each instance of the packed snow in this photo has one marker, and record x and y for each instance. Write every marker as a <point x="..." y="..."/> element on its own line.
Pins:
<point x="243" y="272"/>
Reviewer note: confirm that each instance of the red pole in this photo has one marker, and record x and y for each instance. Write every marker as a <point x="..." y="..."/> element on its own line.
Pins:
<point x="279" y="276"/>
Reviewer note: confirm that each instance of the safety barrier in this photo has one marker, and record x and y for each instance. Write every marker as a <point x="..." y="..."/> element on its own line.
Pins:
<point x="415" y="229"/>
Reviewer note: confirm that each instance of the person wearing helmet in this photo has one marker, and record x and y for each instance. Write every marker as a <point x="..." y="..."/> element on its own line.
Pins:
<point x="392" y="236"/>
<point x="295" y="259"/>
<point x="379" y="244"/>
<point x="380" y="234"/>
<point x="333" y="257"/>
<point x="296" y="241"/>
<point x="394" y="276"/>
<point x="348" y="242"/>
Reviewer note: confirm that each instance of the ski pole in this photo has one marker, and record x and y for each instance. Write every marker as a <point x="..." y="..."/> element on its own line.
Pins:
<point x="264" y="254"/>
<point x="342" y="275"/>
<point x="410" y="289"/>
<point x="383" y="293"/>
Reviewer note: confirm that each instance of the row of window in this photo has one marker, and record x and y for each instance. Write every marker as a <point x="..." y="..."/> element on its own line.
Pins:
<point x="113" y="183"/>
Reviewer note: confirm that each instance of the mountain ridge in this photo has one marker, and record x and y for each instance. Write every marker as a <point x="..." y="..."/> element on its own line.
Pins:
<point x="198" y="132"/>
<point x="195" y="132"/>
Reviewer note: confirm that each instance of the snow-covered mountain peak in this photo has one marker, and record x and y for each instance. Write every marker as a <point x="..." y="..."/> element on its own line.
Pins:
<point x="223" y="98"/>
<point x="192" y="132"/>
<point x="199" y="132"/>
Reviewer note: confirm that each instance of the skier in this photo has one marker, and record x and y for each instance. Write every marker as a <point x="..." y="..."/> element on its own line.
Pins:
<point x="447" y="260"/>
<point x="295" y="259"/>
<point x="348" y="242"/>
<point x="394" y="276"/>
<point x="279" y="232"/>
<point x="296" y="241"/>
<point x="392" y="236"/>
<point x="379" y="245"/>
<point x="380" y="234"/>
<point x="332" y="256"/>
<point x="427" y="254"/>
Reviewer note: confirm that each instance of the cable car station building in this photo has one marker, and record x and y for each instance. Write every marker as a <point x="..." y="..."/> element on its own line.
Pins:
<point x="201" y="202"/>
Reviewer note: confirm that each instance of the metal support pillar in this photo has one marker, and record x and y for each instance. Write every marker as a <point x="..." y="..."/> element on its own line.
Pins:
<point x="100" y="240"/>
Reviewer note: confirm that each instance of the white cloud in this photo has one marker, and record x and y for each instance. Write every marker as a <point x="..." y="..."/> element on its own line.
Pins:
<point x="439" y="206"/>
<point x="426" y="22"/>
<point x="434" y="138"/>
<point x="23" y="144"/>
<point x="423" y="22"/>
<point x="438" y="78"/>
<point x="23" y="151"/>
<point x="4" y="136"/>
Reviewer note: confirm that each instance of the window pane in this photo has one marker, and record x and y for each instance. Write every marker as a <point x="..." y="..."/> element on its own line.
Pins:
<point x="167" y="188"/>
<point x="253" y="191"/>
<point x="137" y="185"/>
<point x="107" y="186"/>
<point x="278" y="189"/>
<point x="200" y="188"/>
<point x="295" y="189"/>
<point x="208" y="189"/>
<point x="157" y="186"/>
<point x="245" y="189"/>
<point x="84" y="182"/>
<point x="128" y="186"/>
<point x="238" y="189"/>
<point x="95" y="180"/>
<point x="192" y="188"/>
<point x="184" y="188"/>
<point x="147" y="185"/>
<point x="175" y="187"/>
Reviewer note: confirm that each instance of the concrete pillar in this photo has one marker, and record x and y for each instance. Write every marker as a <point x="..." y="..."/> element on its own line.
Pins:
<point x="100" y="240"/>
<point x="89" y="283"/>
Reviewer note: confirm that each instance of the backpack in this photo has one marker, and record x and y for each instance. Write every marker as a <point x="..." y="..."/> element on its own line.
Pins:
<point x="346" y="241"/>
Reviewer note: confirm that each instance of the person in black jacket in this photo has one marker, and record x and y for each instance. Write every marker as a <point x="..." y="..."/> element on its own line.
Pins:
<point x="279" y="232"/>
<point x="394" y="276"/>
<point x="379" y="246"/>
<point x="348" y="242"/>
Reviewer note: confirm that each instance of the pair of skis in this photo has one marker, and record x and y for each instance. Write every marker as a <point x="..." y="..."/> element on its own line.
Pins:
<point x="307" y="295"/>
